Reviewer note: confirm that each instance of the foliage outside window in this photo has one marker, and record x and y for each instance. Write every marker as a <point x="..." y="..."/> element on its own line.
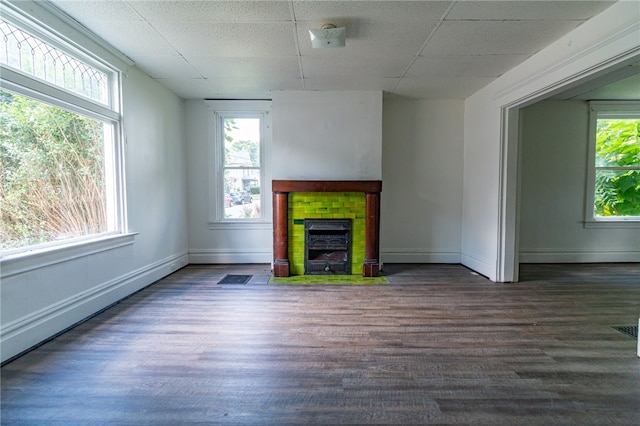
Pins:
<point x="53" y="179"/>
<point x="616" y="162"/>
<point x="58" y="153"/>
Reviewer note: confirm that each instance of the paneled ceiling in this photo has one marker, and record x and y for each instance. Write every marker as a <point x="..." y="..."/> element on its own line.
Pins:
<point x="247" y="49"/>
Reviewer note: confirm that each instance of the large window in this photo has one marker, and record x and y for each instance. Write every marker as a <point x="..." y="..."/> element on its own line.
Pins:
<point x="60" y="161"/>
<point x="241" y="132"/>
<point x="613" y="188"/>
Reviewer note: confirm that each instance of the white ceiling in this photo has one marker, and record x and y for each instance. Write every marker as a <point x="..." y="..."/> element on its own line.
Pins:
<point x="247" y="49"/>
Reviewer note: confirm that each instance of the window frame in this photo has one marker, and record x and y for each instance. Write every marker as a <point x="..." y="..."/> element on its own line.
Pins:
<point x="605" y="109"/>
<point x="218" y="111"/>
<point x="25" y="84"/>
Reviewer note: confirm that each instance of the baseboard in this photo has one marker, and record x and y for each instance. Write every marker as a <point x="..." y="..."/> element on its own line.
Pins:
<point x="577" y="256"/>
<point x="392" y="255"/>
<point x="222" y="256"/>
<point x="482" y="266"/>
<point x="407" y="255"/>
<point x="31" y="330"/>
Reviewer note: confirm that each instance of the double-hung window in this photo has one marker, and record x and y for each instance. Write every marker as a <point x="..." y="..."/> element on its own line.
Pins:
<point x="241" y="131"/>
<point x="61" y="159"/>
<point x="613" y="184"/>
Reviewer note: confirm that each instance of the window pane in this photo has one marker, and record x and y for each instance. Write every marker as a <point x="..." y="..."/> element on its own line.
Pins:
<point x="32" y="56"/>
<point x="52" y="171"/>
<point x="242" y="142"/>
<point x="617" y="142"/>
<point x="617" y="193"/>
<point x="242" y="193"/>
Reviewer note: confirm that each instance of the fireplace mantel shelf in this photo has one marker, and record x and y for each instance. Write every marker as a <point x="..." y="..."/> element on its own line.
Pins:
<point x="371" y="186"/>
<point x="281" y="190"/>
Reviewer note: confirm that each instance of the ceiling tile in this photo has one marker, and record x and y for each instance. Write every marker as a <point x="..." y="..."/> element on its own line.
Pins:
<point x="344" y="12"/>
<point x="527" y="10"/>
<point x="194" y="88"/>
<point x="214" y="11"/>
<point x="451" y="87"/>
<point x="229" y="40"/>
<point x="220" y="67"/>
<point x="245" y="49"/>
<point x="496" y="38"/>
<point x="316" y="66"/>
<point x="257" y="88"/>
<point x="132" y="38"/>
<point x="166" y="66"/>
<point x="468" y="65"/>
<point x="92" y="10"/>
<point x="350" y="83"/>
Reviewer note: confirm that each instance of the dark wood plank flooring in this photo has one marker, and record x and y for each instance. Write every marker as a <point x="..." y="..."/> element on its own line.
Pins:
<point x="438" y="345"/>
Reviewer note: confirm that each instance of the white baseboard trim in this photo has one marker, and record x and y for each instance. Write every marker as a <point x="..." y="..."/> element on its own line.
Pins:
<point x="31" y="330"/>
<point x="578" y="256"/>
<point x="407" y="255"/>
<point x="222" y="256"/>
<point x="482" y="266"/>
<point x="392" y="255"/>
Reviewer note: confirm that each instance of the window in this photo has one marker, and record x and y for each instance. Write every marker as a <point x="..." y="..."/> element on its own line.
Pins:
<point x="613" y="189"/>
<point x="35" y="57"/>
<point x="241" y="132"/>
<point x="61" y="161"/>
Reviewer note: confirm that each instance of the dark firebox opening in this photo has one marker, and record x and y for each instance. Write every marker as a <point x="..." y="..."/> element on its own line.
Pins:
<point x="327" y="246"/>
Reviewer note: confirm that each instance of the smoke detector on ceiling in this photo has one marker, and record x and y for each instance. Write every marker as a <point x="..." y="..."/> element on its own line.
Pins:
<point x="327" y="36"/>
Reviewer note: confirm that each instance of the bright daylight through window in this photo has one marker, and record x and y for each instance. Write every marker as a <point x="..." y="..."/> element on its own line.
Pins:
<point x="615" y="177"/>
<point x="58" y="134"/>
<point x="241" y="169"/>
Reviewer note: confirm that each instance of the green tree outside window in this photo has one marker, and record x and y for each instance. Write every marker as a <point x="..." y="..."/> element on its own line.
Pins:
<point x="617" y="188"/>
<point x="52" y="178"/>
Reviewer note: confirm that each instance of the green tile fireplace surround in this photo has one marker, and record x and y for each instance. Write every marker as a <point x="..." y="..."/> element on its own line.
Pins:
<point x="295" y="201"/>
<point x="325" y="205"/>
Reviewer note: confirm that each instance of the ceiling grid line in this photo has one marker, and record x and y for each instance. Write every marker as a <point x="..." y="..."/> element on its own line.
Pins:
<point x="424" y="45"/>
<point x="297" y="43"/>
<point x="165" y="39"/>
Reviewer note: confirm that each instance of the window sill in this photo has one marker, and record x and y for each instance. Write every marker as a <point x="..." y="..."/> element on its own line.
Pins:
<point x="626" y="224"/>
<point x="248" y="225"/>
<point x="36" y="258"/>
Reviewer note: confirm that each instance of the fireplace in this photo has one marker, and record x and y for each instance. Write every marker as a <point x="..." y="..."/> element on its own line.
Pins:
<point x="288" y="252"/>
<point x="327" y="246"/>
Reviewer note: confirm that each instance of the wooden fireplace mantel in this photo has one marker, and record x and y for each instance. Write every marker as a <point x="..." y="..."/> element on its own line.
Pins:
<point x="281" y="190"/>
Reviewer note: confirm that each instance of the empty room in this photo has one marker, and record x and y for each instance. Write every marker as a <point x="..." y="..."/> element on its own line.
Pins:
<point x="320" y="212"/>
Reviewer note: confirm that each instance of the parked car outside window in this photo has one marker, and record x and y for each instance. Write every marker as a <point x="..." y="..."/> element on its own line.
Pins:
<point x="241" y="197"/>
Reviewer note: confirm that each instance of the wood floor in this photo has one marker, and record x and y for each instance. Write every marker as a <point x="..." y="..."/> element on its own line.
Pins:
<point x="437" y="345"/>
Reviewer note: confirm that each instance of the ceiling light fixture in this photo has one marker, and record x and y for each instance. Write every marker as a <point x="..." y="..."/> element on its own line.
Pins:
<point x="327" y="36"/>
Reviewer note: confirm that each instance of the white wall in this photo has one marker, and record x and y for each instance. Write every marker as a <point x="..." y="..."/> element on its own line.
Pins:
<point x="554" y="170"/>
<point x="490" y="151"/>
<point x="328" y="135"/>
<point x="421" y="201"/>
<point x="156" y="169"/>
<point x="38" y="302"/>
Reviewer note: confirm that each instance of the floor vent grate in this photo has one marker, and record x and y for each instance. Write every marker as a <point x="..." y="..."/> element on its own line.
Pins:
<point x="235" y="279"/>
<point x="629" y="330"/>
